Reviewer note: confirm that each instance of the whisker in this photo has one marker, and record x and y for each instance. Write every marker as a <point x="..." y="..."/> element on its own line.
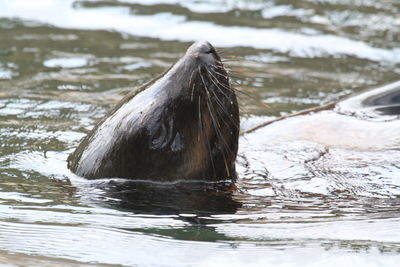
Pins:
<point x="205" y="132"/>
<point x="217" y="126"/>
<point x="215" y="122"/>
<point x="200" y="122"/>
<point x="230" y="60"/>
<point x="215" y="79"/>
<point x="242" y="92"/>
<point x="225" y="112"/>
<point x="192" y="85"/>
<point x="191" y="95"/>
<point x="225" y="147"/>
<point x="218" y="101"/>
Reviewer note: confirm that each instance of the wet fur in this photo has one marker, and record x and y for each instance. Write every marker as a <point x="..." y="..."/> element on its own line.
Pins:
<point x="188" y="129"/>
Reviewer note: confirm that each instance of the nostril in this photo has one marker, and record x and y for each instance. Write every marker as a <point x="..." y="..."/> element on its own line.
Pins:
<point x="201" y="48"/>
<point x="206" y="48"/>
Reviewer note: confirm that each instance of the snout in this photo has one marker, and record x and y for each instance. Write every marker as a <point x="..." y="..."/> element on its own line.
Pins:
<point x="202" y="50"/>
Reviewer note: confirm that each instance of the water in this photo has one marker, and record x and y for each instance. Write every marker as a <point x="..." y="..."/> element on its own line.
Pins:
<point x="303" y="198"/>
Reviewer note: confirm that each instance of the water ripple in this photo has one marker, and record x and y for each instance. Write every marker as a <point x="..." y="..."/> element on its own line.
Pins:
<point x="168" y="26"/>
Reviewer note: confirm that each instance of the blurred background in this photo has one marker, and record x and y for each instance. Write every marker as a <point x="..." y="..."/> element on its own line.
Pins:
<point x="64" y="63"/>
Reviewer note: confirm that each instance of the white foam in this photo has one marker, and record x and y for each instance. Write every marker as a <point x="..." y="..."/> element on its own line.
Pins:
<point x="167" y="26"/>
<point x="72" y="62"/>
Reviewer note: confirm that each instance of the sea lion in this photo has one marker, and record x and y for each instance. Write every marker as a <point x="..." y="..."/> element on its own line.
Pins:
<point x="378" y="103"/>
<point x="183" y="125"/>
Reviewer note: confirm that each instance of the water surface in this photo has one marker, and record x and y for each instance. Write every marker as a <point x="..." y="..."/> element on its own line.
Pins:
<point x="63" y="64"/>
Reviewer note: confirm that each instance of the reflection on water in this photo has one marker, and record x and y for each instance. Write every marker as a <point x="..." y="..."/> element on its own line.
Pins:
<point x="163" y="198"/>
<point x="320" y="190"/>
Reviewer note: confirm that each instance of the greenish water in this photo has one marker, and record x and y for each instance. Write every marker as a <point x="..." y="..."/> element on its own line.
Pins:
<point x="63" y="64"/>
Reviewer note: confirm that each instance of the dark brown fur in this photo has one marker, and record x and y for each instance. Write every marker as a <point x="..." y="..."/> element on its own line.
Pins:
<point x="184" y="125"/>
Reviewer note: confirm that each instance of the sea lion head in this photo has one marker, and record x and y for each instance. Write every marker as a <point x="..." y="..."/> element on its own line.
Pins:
<point x="181" y="126"/>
